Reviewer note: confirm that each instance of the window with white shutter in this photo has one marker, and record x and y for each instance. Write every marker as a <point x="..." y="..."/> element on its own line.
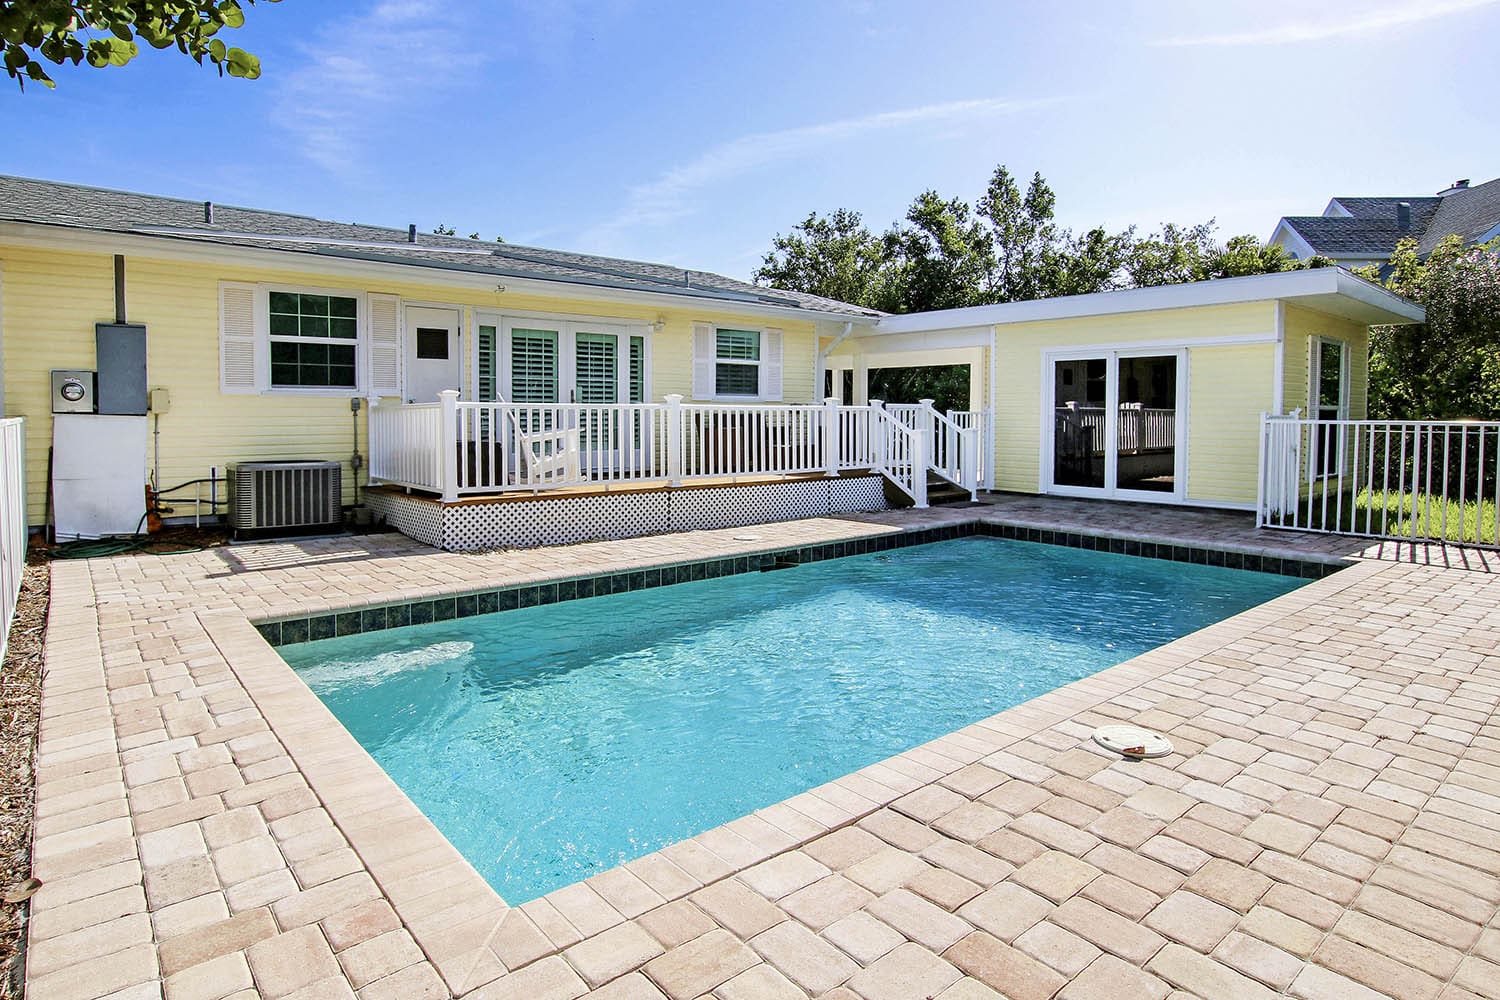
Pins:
<point x="770" y="365"/>
<point x="308" y="341"/>
<point x="239" y="345"/>
<point x="384" y="344"/>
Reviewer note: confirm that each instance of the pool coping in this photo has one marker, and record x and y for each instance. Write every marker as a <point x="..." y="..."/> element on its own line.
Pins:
<point x="473" y="937"/>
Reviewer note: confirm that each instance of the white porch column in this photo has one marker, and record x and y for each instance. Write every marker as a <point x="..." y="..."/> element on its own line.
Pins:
<point x="861" y="381"/>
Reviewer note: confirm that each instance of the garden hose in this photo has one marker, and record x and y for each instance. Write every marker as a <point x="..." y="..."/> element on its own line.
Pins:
<point x="94" y="548"/>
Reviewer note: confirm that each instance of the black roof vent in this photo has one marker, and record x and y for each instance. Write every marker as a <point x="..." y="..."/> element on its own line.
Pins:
<point x="208" y="212"/>
<point x="1403" y="216"/>
<point x="411" y="233"/>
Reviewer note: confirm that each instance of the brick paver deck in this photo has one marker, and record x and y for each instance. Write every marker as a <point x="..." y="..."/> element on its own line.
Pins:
<point x="1326" y="828"/>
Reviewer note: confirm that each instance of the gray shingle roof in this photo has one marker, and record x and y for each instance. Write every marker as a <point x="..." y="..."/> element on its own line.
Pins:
<point x="1469" y="213"/>
<point x="1337" y="237"/>
<point x="24" y="199"/>
<point x="1384" y="209"/>
<point x="1371" y="227"/>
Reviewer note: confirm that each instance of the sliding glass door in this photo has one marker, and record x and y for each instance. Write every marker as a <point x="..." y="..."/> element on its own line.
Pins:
<point x="1115" y="429"/>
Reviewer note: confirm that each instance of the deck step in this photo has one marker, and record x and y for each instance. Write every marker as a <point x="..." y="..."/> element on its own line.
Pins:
<point x="939" y="492"/>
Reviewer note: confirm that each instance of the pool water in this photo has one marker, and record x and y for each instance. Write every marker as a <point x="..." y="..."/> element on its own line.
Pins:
<point x="554" y="742"/>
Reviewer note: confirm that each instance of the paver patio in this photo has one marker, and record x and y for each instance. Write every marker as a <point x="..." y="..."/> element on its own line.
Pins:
<point x="1326" y="828"/>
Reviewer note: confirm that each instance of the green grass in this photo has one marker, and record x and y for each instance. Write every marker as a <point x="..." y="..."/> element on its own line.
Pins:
<point x="1404" y="515"/>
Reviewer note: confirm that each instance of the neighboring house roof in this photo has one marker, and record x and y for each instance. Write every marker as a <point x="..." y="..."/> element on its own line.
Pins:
<point x="1331" y="290"/>
<point x="1472" y="214"/>
<point x="1359" y="226"/>
<point x="1349" y="237"/>
<point x="76" y="206"/>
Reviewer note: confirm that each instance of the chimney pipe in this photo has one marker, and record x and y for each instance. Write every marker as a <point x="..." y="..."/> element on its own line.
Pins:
<point x="208" y="212"/>
<point x="411" y="233"/>
<point x="1403" y="216"/>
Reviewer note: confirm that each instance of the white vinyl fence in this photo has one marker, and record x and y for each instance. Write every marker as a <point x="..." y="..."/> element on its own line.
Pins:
<point x="12" y="519"/>
<point x="455" y="448"/>
<point x="1408" y="480"/>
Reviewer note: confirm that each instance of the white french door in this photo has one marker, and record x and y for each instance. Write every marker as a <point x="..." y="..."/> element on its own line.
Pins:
<point x="554" y="363"/>
<point x="1116" y="424"/>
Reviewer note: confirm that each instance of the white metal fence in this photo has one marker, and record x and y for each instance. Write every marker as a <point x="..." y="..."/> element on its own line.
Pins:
<point x="455" y="448"/>
<point x="1399" y="479"/>
<point x="12" y="519"/>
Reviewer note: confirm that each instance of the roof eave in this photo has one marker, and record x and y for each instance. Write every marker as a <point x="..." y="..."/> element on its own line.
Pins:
<point x="1318" y="288"/>
<point x="87" y="238"/>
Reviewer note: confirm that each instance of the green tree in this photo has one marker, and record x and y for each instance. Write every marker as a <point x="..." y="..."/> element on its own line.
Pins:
<point x="1025" y="238"/>
<point x="1009" y="247"/>
<point x="940" y="259"/>
<point x="835" y="256"/>
<point x="105" y="33"/>
<point x="1171" y="255"/>
<point x="1447" y="368"/>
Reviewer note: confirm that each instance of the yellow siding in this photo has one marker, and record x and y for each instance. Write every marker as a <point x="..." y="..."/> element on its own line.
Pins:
<point x="1302" y="325"/>
<point x="1019" y="386"/>
<point x="52" y="299"/>
<point x="1228" y="389"/>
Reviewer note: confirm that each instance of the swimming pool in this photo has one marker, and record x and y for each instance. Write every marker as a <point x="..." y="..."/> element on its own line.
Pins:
<point x="551" y="743"/>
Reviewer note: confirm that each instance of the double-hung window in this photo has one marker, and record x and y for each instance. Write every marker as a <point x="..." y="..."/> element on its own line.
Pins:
<point x="314" y="340"/>
<point x="737" y="362"/>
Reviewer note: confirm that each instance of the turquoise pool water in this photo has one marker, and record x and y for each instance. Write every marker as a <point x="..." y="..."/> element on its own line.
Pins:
<point x="554" y="742"/>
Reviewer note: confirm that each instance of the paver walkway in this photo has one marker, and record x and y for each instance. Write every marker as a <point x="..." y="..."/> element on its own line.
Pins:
<point x="1327" y="827"/>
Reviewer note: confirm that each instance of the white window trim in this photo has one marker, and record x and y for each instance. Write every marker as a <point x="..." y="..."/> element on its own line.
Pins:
<point x="1315" y="377"/>
<point x="263" y="340"/>
<point x="758" y="362"/>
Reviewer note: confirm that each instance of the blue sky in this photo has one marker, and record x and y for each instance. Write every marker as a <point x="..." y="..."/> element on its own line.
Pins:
<point x="691" y="133"/>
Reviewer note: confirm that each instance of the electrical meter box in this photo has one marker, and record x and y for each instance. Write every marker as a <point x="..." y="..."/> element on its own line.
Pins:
<point x="120" y="357"/>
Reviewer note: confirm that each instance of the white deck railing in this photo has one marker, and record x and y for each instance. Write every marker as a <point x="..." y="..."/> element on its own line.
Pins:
<point x="403" y="445"/>
<point x="1406" y="480"/>
<point x="455" y="448"/>
<point x="12" y="519"/>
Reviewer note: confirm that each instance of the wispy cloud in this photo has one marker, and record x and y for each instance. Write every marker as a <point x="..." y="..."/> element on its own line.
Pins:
<point x="674" y="194"/>
<point x="1332" y="25"/>
<point x="338" y="105"/>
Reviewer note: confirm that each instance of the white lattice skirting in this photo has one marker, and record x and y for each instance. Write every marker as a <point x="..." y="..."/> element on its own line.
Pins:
<point x="561" y="520"/>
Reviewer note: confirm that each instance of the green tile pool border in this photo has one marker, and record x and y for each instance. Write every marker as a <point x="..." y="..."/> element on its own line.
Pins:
<point x="289" y="631"/>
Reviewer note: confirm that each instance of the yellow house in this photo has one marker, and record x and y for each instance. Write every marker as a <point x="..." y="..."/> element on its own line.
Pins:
<point x="1151" y="394"/>
<point x="156" y="341"/>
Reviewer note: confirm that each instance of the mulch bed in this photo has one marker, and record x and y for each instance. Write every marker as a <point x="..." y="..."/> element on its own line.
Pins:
<point x="20" y="708"/>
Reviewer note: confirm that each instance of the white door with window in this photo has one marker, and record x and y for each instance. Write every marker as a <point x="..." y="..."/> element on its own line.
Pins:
<point x="433" y="352"/>
<point x="1115" y="424"/>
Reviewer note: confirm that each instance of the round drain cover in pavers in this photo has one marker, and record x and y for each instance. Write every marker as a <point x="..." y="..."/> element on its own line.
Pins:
<point x="1132" y="741"/>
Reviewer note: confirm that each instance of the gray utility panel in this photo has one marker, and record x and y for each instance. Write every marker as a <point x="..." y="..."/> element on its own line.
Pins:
<point x="120" y="356"/>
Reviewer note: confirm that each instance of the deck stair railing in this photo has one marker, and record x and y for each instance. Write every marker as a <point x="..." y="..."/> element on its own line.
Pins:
<point x="458" y="448"/>
<point x="1406" y="480"/>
